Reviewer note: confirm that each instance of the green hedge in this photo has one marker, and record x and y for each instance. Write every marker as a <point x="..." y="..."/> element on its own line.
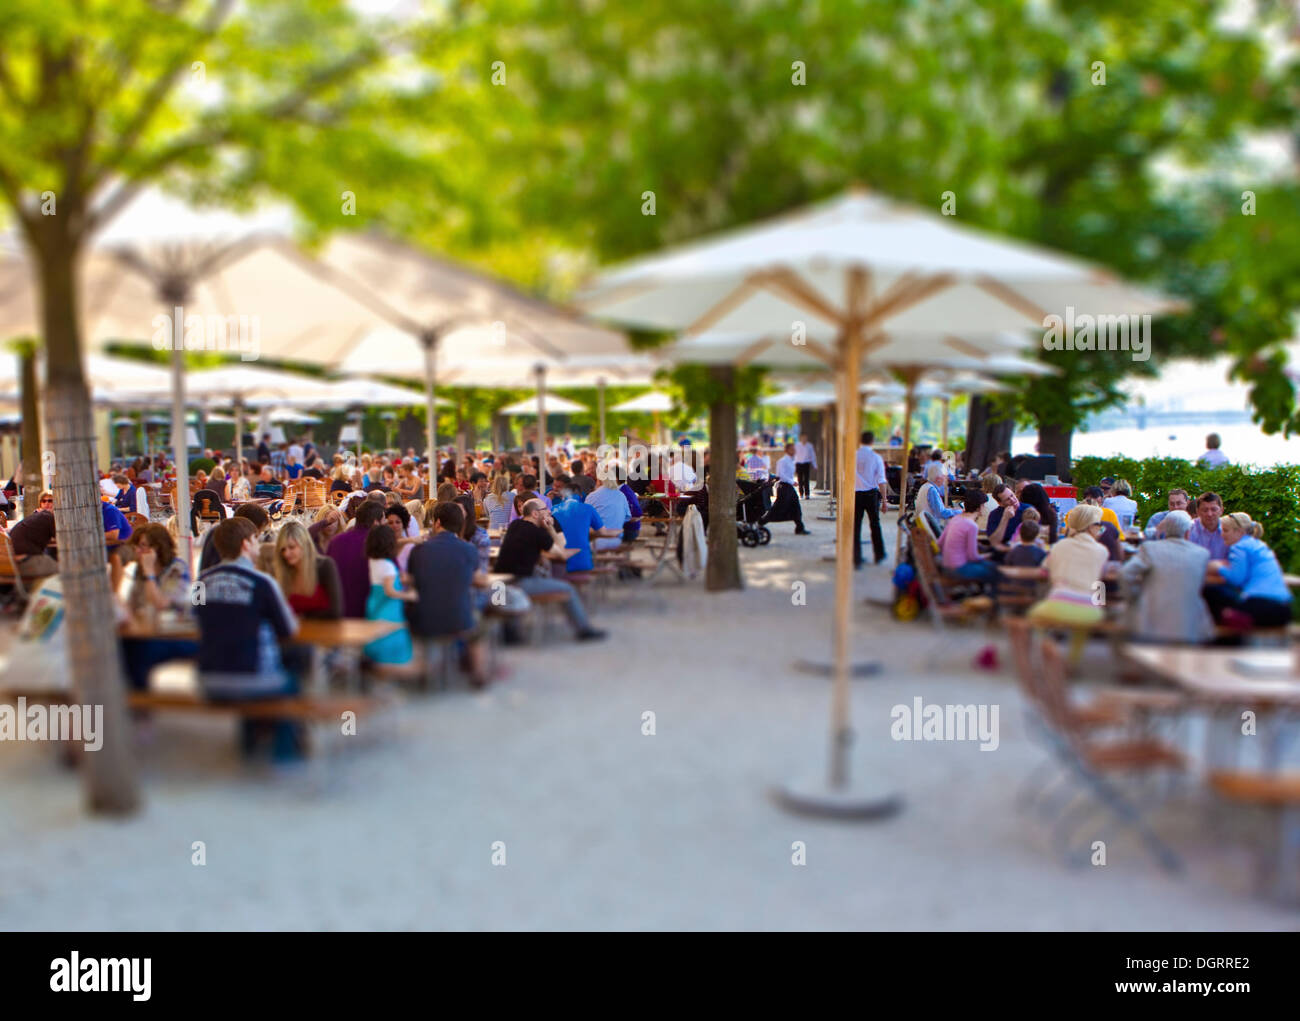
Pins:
<point x="201" y="464"/>
<point x="1269" y="495"/>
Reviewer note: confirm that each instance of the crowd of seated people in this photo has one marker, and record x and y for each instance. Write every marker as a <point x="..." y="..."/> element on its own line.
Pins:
<point x="1191" y="568"/>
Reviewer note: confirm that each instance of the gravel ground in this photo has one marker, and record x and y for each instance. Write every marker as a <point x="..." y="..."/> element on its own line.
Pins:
<point x="605" y="827"/>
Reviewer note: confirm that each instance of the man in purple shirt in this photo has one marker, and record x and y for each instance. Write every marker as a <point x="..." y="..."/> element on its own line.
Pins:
<point x="1205" y="530"/>
<point x="348" y="551"/>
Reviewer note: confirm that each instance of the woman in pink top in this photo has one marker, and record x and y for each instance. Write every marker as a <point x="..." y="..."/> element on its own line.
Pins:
<point x="959" y="543"/>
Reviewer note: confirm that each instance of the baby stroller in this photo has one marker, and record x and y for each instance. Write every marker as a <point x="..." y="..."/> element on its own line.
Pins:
<point x="749" y="508"/>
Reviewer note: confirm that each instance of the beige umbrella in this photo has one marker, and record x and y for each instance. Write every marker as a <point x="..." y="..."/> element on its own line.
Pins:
<point x="830" y="280"/>
<point x="444" y="316"/>
<point x="656" y="402"/>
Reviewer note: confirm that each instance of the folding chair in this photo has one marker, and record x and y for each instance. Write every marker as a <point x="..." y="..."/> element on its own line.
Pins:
<point x="1280" y="793"/>
<point x="9" y="573"/>
<point x="1093" y="762"/>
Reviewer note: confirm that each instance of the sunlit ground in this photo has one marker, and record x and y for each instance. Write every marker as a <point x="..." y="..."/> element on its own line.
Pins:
<point x="604" y="827"/>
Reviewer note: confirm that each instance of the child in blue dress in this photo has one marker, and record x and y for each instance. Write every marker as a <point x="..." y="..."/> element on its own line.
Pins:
<point x="392" y="654"/>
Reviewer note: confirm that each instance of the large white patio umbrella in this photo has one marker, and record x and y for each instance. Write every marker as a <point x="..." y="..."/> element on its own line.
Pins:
<point x="656" y="403"/>
<point x="812" y="396"/>
<point x="552" y="404"/>
<point x="215" y="285"/>
<point x="111" y="380"/>
<point x="495" y="370"/>
<point x="360" y="391"/>
<point x="831" y="279"/>
<point x="445" y="316"/>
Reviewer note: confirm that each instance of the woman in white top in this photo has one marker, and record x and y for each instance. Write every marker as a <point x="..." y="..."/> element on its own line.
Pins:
<point x="497" y="503"/>
<point x="1122" y="503"/>
<point x="1074" y="567"/>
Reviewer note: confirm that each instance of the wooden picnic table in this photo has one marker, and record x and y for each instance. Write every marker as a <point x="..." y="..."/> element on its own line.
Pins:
<point x="1224" y="680"/>
<point x="1109" y="572"/>
<point x="1237" y="675"/>
<point x="348" y="633"/>
<point x="336" y="634"/>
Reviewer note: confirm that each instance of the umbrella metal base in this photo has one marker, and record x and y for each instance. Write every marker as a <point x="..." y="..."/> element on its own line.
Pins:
<point x="867" y="668"/>
<point x="816" y="797"/>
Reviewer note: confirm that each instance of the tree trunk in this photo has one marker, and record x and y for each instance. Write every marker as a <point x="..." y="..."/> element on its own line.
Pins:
<point x="986" y="437"/>
<point x="1055" y="439"/>
<point x="108" y="774"/>
<point x="723" y="570"/>
<point x="32" y="446"/>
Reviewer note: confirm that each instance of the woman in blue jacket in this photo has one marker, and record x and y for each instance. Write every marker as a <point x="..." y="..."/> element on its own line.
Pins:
<point x="1254" y="591"/>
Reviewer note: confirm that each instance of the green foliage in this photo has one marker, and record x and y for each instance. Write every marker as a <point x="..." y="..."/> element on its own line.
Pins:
<point x="700" y="387"/>
<point x="998" y="103"/>
<point x="1270" y="496"/>
<point x="201" y="464"/>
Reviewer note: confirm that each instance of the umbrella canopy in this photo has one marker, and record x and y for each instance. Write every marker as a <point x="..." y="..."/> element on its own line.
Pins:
<point x="111" y="379"/>
<point x="926" y="273"/>
<point x="653" y="402"/>
<point x="890" y="348"/>
<point x="449" y="317"/>
<point x="290" y="416"/>
<point x="189" y="286"/>
<point x="555" y="405"/>
<point x="345" y="393"/>
<point x="811" y="397"/>
<point x="830" y="281"/>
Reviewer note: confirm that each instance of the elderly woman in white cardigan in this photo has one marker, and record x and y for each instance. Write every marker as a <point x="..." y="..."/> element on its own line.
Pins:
<point x="1163" y="582"/>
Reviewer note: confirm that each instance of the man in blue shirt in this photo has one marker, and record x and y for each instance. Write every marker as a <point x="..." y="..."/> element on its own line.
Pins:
<point x="116" y="528"/>
<point x="609" y="502"/>
<point x="1177" y="502"/>
<point x="445" y="569"/>
<point x="1205" y="530"/>
<point x="579" y="521"/>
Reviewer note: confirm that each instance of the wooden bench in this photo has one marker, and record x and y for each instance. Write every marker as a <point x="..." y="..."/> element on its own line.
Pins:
<point x="324" y="710"/>
<point x="303" y="708"/>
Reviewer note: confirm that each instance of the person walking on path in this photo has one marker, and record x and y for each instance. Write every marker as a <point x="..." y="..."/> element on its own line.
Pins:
<point x="868" y="497"/>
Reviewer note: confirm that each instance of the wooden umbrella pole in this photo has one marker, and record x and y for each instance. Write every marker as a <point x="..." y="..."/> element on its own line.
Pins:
<point x="850" y="358"/>
<point x="541" y="430"/>
<point x="944" y="402"/>
<point x="430" y="406"/>
<point x="600" y="400"/>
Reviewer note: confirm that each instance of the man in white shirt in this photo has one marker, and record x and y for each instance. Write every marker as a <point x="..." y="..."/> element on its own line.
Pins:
<point x="1213" y="456"/>
<point x="786" y="506"/>
<point x="682" y="475"/>
<point x="805" y="460"/>
<point x="296" y="451"/>
<point x="868" y="497"/>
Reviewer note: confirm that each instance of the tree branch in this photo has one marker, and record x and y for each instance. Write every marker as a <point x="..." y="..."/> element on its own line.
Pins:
<point x="158" y="93"/>
<point x="284" y="108"/>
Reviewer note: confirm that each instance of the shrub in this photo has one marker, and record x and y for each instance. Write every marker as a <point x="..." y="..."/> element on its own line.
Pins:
<point x="201" y="464"/>
<point x="1269" y="495"/>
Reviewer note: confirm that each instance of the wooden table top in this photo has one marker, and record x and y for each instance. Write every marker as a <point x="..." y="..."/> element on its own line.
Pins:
<point x="346" y="632"/>
<point x="1222" y="674"/>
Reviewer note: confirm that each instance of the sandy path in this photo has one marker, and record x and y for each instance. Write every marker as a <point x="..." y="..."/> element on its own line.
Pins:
<point x="604" y="827"/>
